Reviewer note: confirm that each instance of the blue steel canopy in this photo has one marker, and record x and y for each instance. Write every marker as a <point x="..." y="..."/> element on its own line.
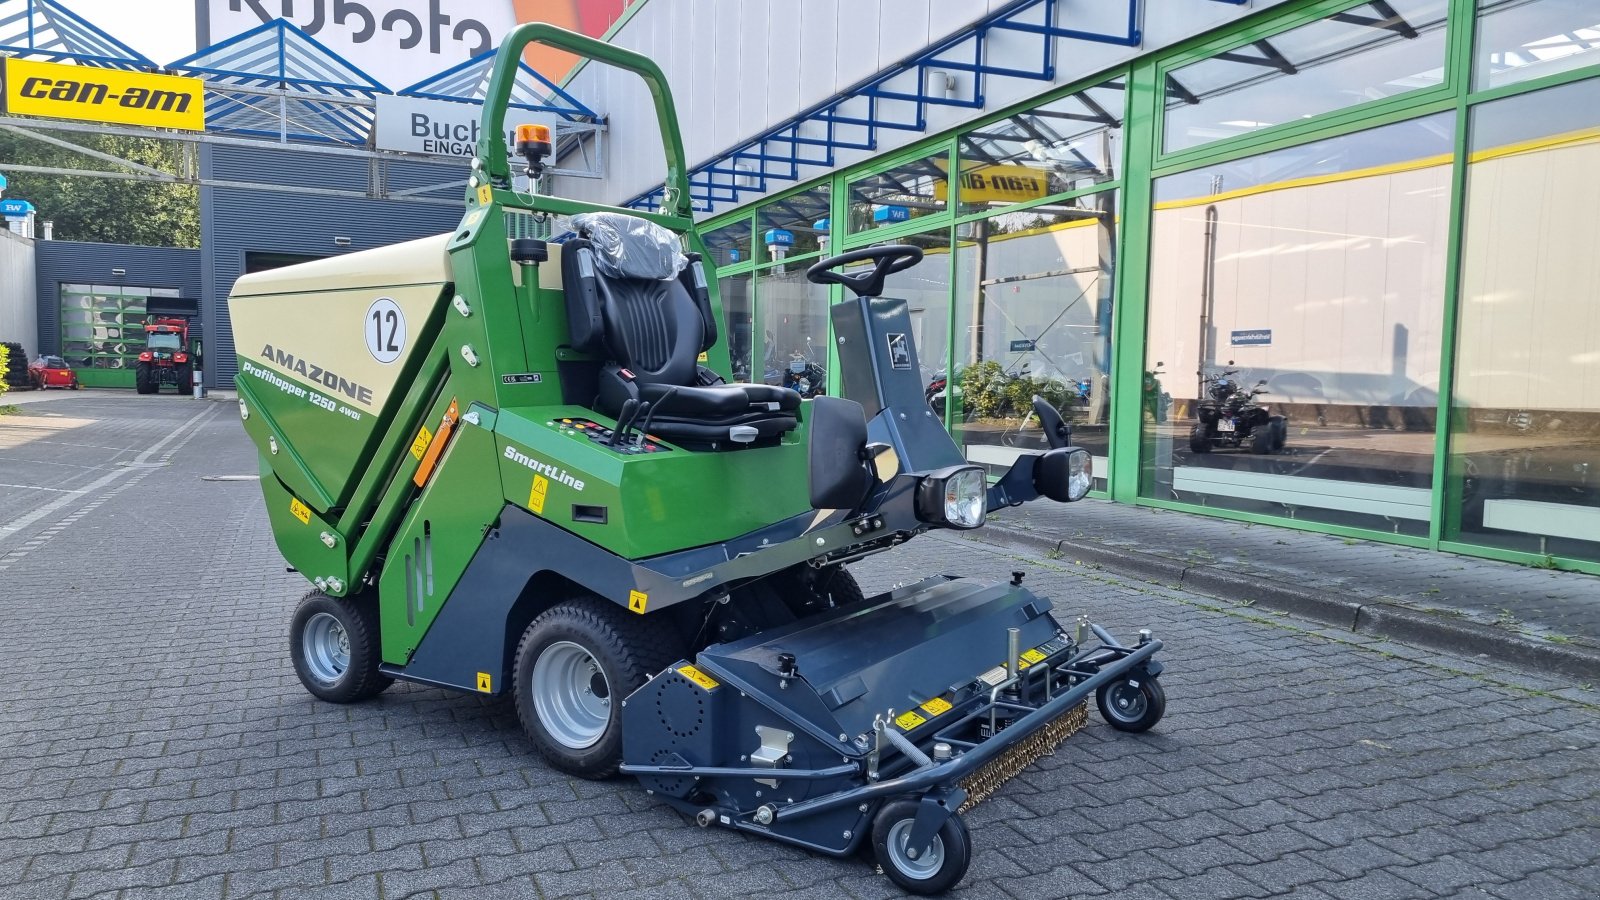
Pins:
<point x="896" y="99"/>
<point x="46" y="30"/>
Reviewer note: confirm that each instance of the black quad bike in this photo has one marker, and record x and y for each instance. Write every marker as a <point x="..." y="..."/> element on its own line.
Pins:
<point x="1230" y="417"/>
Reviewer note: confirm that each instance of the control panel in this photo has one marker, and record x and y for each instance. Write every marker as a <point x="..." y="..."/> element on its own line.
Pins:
<point x="631" y="444"/>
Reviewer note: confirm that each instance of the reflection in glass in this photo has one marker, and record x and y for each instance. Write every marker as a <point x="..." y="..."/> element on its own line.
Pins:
<point x="102" y="325"/>
<point x="1523" y="39"/>
<point x="730" y="244"/>
<point x="910" y="190"/>
<point x="795" y="225"/>
<point x="1525" y="460"/>
<point x="1065" y="145"/>
<point x="926" y="289"/>
<point x="794" y="323"/>
<point x="1033" y="316"/>
<point x="739" y="314"/>
<point x="1319" y="270"/>
<point x="1368" y="52"/>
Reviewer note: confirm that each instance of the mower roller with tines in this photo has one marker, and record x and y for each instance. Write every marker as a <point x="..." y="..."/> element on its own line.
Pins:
<point x="509" y="461"/>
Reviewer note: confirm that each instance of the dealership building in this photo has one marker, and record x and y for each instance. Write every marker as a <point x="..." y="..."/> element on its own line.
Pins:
<point x="1382" y="213"/>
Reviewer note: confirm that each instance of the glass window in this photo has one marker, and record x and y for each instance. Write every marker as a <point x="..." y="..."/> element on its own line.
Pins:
<point x="795" y="225"/>
<point x="1525" y="453"/>
<point x="910" y="190"/>
<point x="728" y="245"/>
<point x="738" y="314"/>
<point x="1033" y="316"/>
<point x="1296" y="303"/>
<point x="1065" y="145"/>
<point x="793" y="315"/>
<point x="1367" y="52"/>
<point x="1523" y="39"/>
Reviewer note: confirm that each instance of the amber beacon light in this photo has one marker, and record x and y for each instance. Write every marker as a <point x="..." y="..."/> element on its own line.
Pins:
<point x="533" y="144"/>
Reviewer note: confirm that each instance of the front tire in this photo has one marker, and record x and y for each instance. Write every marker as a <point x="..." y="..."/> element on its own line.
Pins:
<point x="1280" y="431"/>
<point x="333" y="642"/>
<point x="933" y="871"/>
<point x="1261" y="439"/>
<point x="1200" y="439"/>
<point x="576" y="663"/>
<point x="1131" y="708"/>
<point x="184" y="376"/>
<point x="143" y="379"/>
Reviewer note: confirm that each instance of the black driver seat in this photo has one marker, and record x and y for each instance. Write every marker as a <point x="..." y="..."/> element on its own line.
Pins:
<point x="652" y="332"/>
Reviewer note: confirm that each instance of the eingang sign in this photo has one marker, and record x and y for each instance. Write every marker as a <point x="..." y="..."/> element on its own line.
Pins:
<point x="112" y="96"/>
<point x="439" y="127"/>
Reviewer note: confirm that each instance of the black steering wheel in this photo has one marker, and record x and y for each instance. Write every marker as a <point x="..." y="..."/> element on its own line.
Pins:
<point x="891" y="259"/>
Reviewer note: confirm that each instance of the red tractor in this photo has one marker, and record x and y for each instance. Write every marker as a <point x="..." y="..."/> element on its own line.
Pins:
<point x="167" y="357"/>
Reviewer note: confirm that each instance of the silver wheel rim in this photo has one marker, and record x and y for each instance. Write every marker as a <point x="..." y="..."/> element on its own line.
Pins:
<point x="926" y="865"/>
<point x="571" y="695"/>
<point x="326" y="647"/>
<point x="1127" y="702"/>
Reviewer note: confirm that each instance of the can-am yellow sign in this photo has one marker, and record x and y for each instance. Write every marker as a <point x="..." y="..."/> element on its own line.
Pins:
<point x="112" y="96"/>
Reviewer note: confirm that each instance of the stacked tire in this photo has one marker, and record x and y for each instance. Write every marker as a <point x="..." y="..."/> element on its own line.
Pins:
<point x="16" y="373"/>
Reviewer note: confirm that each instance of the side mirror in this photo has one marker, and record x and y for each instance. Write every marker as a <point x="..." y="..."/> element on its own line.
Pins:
<point x="836" y="450"/>
<point x="1056" y="432"/>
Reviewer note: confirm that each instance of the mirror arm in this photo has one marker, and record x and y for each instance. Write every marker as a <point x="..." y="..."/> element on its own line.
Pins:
<point x="1015" y="487"/>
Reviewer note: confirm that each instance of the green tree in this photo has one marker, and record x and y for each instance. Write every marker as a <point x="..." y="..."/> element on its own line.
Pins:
<point x="112" y="211"/>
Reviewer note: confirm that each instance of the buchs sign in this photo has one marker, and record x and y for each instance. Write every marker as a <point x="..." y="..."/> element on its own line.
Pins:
<point x="438" y="127"/>
<point x="112" y="96"/>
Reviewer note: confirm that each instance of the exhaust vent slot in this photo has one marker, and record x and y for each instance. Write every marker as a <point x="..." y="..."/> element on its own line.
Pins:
<point x="595" y="514"/>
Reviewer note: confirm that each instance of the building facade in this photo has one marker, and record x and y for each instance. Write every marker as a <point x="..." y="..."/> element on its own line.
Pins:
<point x="1383" y="214"/>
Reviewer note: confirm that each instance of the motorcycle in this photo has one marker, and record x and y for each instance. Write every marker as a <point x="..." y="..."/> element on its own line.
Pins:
<point x="1157" y="403"/>
<point x="1229" y="416"/>
<point x="805" y="377"/>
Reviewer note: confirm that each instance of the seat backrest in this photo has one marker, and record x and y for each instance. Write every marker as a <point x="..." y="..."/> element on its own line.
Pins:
<point x="654" y="328"/>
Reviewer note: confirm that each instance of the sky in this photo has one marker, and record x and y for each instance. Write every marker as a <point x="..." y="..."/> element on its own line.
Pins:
<point x="160" y="29"/>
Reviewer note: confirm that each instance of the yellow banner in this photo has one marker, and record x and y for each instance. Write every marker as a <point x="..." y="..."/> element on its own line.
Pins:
<point x="999" y="184"/>
<point x="112" y="96"/>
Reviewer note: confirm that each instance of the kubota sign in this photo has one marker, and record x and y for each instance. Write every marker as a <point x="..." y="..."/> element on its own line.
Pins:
<point x="55" y="91"/>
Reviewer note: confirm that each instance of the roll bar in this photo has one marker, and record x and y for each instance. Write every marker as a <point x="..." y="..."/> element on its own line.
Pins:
<point x="492" y="149"/>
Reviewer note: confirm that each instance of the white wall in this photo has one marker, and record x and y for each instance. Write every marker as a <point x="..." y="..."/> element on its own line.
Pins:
<point x="19" y="306"/>
<point x="1348" y="276"/>
<point x="739" y="67"/>
<point x="1530" y="317"/>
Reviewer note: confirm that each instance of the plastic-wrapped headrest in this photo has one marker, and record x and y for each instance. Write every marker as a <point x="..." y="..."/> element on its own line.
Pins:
<point x="630" y="247"/>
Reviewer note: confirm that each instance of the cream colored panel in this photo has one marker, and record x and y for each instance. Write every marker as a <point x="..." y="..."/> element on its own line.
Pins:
<point x="423" y="261"/>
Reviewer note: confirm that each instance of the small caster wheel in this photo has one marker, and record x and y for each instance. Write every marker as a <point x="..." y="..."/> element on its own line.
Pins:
<point x="931" y="871"/>
<point x="1132" y="705"/>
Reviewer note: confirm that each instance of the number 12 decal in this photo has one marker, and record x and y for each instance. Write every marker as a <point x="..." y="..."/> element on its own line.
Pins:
<point x="386" y="330"/>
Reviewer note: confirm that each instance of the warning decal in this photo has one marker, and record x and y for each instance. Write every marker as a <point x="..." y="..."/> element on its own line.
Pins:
<point x="698" y="677"/>
<point x="420" y="445"/>
<point x="300" y="510"/>
<point x="936" y="706"/>
<point x="484" y="683"/>
<point x="541" y="486"/>
<point x="637" y="601"/>
<point x="908" y="720"/>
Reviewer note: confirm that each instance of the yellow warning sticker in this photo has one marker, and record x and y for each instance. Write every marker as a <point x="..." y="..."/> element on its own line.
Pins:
<point x="485" y="194"/>
<point x="698" y="677"/>
<point x="300" y="510"/>
<point x="936" y="706"/>
<point x="1032" y="656"/>
<point x="703" y="357"/>
<point x="484" y="683"/>
<point x="541" y="487"/>
<point x="908" y="720"/>
<point x="638" y="600"/>
<point x="420" y="445"/>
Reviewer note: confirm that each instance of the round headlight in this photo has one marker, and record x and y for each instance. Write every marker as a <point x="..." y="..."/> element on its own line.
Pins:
<point x="1080" y="474"/>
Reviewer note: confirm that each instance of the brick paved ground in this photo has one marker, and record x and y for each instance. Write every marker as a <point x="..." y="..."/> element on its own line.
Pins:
<point x="155" y="743"/>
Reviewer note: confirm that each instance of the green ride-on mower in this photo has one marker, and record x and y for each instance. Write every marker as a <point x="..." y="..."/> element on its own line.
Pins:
<point x="513" y="465"/>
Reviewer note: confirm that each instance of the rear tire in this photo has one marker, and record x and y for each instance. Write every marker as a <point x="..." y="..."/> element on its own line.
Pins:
<point x="185" y="378"/>
<point x="333" y="642"/>
<point x="576" y="663"/>
<point x="1200" y="439"/>
<point x="143" y="382"/>
<point x="1261" y="439"/>
<point x="1280" y="431"/>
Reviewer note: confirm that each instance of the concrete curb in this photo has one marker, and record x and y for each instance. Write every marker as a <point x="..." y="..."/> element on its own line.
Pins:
<point x="1358" y="614"/>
